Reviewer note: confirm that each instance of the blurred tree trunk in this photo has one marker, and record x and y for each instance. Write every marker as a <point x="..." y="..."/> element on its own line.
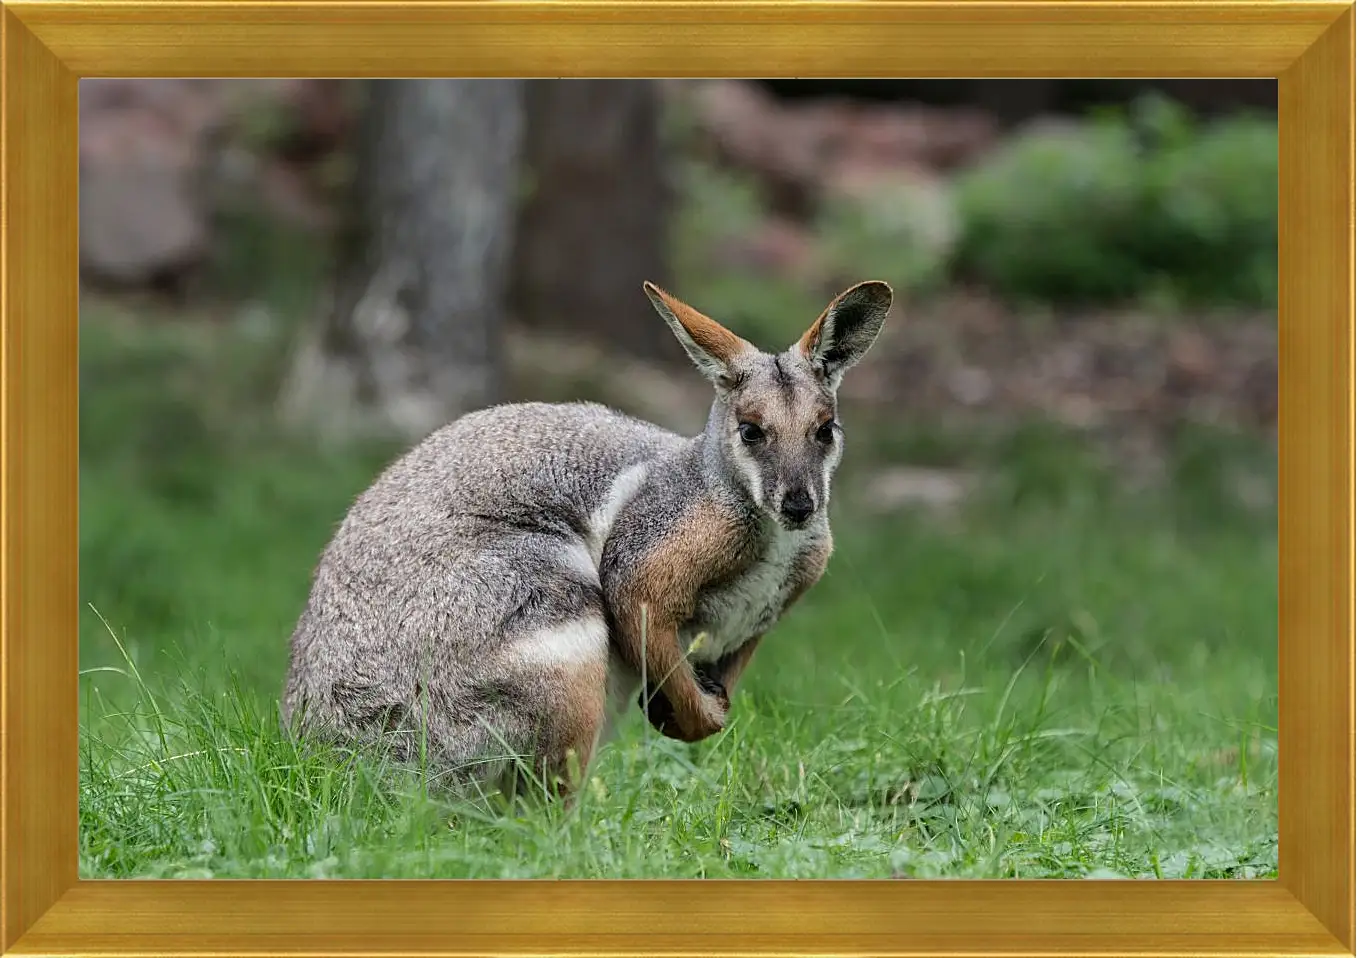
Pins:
<point x="412" y="337"/>
<point x="594" y="226"/>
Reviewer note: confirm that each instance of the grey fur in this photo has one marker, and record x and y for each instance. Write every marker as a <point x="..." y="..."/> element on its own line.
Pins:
<point x="456" y="550"/>
<point x="496" y="531"/>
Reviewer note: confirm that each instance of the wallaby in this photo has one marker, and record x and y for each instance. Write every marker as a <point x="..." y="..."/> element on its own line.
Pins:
<point x="500" y="594"/>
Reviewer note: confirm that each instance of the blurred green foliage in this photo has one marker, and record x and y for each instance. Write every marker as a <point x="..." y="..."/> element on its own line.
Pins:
<point x="1147" y="204"/>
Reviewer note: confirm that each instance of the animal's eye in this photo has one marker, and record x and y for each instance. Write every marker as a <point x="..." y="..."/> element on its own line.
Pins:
<point x="750" y="433"/>
<point x="825" y="433"/>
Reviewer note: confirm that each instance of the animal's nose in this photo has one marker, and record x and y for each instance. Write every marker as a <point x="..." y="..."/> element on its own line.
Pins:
<point x="797" y="505"/>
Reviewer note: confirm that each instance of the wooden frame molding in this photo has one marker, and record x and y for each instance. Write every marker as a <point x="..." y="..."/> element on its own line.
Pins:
<point x="49" y="44"/>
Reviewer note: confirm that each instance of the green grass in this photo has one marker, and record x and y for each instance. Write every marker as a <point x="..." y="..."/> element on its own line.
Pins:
<point x="1064" y="680"/>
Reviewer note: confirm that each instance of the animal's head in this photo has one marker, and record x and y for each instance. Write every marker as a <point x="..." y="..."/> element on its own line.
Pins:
<point x="775" y="418"/>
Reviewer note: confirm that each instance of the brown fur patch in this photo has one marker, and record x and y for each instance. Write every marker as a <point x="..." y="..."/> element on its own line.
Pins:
<point x="579" y="716"/>
<point x="710" y="335"/>
<point x="811" y="337"/>
<point x="708" y="545"/>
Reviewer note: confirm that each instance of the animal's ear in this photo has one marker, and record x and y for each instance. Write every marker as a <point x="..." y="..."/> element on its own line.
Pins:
<point x="846" y="329"/>
<point x="711" y="346"/>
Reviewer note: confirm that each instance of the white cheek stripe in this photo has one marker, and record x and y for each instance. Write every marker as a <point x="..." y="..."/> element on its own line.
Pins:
<point x="750" y="471"/>
<point x="831" y="464"/>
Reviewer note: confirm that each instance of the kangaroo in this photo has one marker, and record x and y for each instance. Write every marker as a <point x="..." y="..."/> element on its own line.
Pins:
<point x="500" y="593"/>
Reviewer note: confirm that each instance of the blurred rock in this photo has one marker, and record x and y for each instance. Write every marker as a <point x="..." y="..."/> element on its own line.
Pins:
<point x="915" y="135"/>
<point x="798" y="149"/>
<point x="747" y="129"/>
<point x="159" y="158"/>
<point x="143" y="215"/>
<point x="863" y="177"/>
<point x="190" y="107"/>
<point x="1191" y="362"/>
<point x="777" y="247"/>
<point x="964" y="359"/>
<point x="971" y="386"/>
<point x="1078" y="411"/>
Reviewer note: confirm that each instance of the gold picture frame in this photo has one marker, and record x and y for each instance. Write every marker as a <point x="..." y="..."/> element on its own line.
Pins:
<point x="49" y="44"/>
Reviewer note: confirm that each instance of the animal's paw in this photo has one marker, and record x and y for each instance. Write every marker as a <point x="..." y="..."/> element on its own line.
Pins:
<point x="713" y="686"/>
<point x="710" y="719"/>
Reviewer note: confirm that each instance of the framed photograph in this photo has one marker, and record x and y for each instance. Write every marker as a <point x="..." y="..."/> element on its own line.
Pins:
<point x="1053" y="551"/>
